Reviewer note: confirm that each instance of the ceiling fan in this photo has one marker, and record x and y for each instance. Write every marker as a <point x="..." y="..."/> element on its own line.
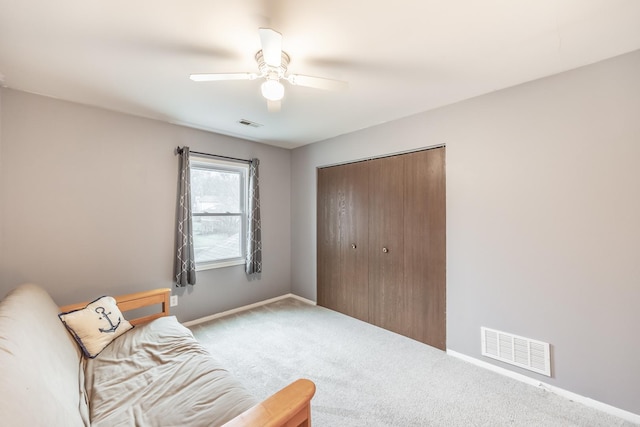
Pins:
<point x="272" y="65"/>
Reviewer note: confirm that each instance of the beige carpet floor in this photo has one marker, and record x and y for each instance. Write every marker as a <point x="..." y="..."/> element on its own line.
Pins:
<point x="366" y="376"/>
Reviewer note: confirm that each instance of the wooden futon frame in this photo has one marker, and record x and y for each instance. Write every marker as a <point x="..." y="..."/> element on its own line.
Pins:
<point x="289" y="407"/>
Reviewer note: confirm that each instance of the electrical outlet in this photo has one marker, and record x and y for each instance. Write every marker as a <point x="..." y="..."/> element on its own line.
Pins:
<point x="173" y="301"/>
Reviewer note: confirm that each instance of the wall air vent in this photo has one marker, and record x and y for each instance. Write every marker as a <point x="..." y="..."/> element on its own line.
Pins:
<point x="519" y="351"/>
<point x="246" y="122"/>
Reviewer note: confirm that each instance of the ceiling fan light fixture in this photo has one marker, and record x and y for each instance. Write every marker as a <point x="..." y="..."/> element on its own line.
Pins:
<point x="272" y="90"/>
<point x="273" y="63"/>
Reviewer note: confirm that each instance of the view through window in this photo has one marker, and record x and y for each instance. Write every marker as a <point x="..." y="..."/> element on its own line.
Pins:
<point x="218" y="203"/>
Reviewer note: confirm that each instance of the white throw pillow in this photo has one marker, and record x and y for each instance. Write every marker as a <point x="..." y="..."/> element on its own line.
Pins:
<point x="96" y="325"/>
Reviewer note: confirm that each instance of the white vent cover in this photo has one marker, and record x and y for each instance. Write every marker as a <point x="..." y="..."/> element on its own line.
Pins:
<point x="523" y="352"/>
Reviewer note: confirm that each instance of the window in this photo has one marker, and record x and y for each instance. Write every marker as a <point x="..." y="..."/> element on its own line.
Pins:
<point x="218" y="205"/>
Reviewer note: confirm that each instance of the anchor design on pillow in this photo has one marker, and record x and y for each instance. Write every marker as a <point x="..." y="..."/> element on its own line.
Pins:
<point x="101" y="311"/>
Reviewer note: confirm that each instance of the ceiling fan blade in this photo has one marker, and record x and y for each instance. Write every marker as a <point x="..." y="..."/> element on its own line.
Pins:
<point x="213" y="77"/>
<point x="271" y="41"/>
<point x="274" y="106"/>
<point x="318" y="82"/>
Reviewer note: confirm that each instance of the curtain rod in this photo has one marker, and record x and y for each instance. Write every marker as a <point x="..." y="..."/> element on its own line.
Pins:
<point x="179" y="151"/>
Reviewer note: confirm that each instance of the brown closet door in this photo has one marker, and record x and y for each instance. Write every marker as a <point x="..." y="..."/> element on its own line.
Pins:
<point x="425" y="246"/>
<point x="387" y="295"/>
<point x="343" y="193"/>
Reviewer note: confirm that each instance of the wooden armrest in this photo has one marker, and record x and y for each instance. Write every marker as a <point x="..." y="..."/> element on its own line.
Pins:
<point x="289" y="407"/>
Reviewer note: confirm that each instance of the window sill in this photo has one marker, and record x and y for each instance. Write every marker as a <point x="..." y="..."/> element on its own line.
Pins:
<point x="219" y="264"/>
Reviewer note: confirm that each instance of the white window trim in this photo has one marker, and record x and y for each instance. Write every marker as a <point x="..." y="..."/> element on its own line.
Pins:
<point x="219" y="264"/>
<point x="209" y="265"/>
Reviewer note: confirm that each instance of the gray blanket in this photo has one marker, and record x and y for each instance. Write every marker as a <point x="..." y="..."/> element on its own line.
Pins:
<point x="158" y="375"/>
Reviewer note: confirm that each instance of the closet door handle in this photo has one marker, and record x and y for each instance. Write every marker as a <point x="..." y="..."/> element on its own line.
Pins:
<point x="385" y="250"/>
<point x="353" y="246"/>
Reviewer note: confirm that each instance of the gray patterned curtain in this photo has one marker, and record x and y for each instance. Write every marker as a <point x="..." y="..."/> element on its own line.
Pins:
<point x="185" y="260"/>
<point x="253" y="264"/>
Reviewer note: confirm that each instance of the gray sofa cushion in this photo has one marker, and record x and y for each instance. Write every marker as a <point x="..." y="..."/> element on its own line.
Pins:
<point x="40" y="364"/>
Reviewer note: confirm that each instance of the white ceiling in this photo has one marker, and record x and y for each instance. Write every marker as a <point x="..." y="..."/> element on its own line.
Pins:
<point x="400" y="57"/>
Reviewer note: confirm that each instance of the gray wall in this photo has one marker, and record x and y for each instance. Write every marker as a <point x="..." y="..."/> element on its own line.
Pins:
<point x="88" y="206"/>
<point x="543" y="210"/>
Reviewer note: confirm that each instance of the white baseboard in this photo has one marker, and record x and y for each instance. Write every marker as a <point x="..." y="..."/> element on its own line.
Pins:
<point x="245" y="308"/>
<point x="587" y="401"/>
<point x="299" y="298"/>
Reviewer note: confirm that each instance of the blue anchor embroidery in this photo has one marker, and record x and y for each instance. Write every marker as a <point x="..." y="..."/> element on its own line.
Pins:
<point x="101" y="311"/>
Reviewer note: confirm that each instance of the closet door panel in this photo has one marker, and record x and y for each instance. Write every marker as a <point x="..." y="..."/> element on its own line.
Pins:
<point x="354" y="248"/>
<point x="425" y="246"/>
<point x="343" y="239"/>
<point x="386" y="246"/>
<point x="329" y="289"/>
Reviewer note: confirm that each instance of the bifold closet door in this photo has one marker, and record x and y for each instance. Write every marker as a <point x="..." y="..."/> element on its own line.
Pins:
<point x="425" y="247"/>
<point x="388" y="297"/>
<point x="381" y="243"/>
<point x="343" y="265"/>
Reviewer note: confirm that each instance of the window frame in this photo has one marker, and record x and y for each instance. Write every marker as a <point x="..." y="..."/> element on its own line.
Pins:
<point x="215" y="164"/>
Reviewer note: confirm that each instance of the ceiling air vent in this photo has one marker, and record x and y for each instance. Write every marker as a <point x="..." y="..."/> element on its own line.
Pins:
<point x="519" y="351"/>
<point x="246" y="122"/>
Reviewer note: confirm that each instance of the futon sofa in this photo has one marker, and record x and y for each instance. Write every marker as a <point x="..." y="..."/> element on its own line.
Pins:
<point x="155" y="373"/>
